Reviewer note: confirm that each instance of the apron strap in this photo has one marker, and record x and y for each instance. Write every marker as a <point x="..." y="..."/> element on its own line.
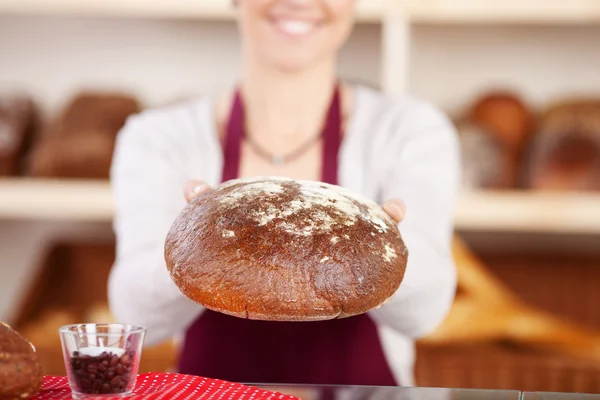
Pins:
<point x="234" y="136"/>
<point x="331" y="135"/>
<point x="332" y="140"/>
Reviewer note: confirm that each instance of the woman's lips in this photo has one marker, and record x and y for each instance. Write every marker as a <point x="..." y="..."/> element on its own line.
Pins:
<point x="296" y="27"/>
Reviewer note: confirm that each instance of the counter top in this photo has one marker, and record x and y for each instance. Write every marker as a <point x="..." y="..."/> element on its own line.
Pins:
<point x="320" y="392"/>
<point x="396" y="393"/>
<point x="156" y="386"/>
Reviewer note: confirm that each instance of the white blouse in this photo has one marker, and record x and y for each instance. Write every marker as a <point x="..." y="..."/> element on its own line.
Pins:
<point x="392" y="148"/>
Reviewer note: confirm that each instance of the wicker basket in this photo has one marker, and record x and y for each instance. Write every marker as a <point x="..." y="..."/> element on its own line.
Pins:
<point x="567" y="286"/>
<point x="501" y="366"/>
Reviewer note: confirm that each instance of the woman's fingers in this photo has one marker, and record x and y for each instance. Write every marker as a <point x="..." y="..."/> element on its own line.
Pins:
<point x="193" y="188"/>
<point x="396" y="209"/>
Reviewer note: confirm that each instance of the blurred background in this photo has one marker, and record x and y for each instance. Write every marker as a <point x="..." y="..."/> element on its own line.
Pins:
<point x="521" y="80"/>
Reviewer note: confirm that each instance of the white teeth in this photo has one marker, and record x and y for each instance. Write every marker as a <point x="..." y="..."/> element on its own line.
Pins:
<point x="296" y="27"/>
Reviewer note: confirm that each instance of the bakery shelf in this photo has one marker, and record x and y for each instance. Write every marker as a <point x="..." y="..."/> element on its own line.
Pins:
<point x="205" y="9"/>
<point x="369" y="11"/>
<point x="511" y="211"/>
<point x="65" y="200"/>
<point x="505" y="11"/>
<point x="425" y="11"/>
<point x="35" y="199"/>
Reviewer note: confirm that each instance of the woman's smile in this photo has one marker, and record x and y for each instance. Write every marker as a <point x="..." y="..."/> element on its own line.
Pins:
<point x="295" y="27"/>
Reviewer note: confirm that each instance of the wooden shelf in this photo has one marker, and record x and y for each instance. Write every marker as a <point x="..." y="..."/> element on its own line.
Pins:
<point x="423" y="11"/>
<point x="205" y="9"/>
<point x="218" y="10"/>
<point x="565" y="213"/>
<point x="504" y="11"/>
<point x="26" y="199"/>
<point x="55" y="200"/>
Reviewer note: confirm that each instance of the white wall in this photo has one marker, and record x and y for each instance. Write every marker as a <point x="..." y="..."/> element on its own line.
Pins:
<point x="451" y="64"/>
<point x="159" y="60"/>
<point x="163" y="60"/>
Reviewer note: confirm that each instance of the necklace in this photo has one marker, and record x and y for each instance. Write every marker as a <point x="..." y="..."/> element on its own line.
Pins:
<point x="236" y="134"/>
<point x="279" y="158"/>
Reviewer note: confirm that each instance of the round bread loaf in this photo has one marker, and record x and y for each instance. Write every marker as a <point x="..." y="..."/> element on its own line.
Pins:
<point x="565" y="155"/>
<point x="285" y="250"/>
<point x="506" y="116"/>
<point x="20" y="370"/>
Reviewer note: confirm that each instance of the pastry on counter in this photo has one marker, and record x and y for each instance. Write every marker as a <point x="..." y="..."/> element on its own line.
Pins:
<point x="17" y="123"/>
<point x="20" y="372"/>
<point x="80" y="142"/>
<point x="565" y="154"/>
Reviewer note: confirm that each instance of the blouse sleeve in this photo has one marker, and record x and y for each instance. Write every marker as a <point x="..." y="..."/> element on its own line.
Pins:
<point x="147" y="184"/>
<point x="424" y="172"/>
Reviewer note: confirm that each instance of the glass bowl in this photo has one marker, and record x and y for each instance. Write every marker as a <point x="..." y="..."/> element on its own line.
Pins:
<point x="102" y="359"/>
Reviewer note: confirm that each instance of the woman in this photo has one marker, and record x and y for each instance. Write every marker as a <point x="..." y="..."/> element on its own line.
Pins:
<point x="290" y="117"/>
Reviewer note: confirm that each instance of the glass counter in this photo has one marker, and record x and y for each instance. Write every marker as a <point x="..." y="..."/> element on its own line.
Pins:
<point x="559" y="396"/>
<point x="393" y="393"/>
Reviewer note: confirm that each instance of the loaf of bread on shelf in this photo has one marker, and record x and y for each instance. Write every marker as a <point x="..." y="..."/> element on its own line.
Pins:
<point x="506" y="116"/>
<point x="285" y="250"/>
<point x="96" y="112"/>
<point x="503" y="123"/>
<point x="85" y="156"/>
<point x="80" y="142"/>
<point x="565" y="154"/>
<point x="20" y="373"/>
<point x="484" y="160"/>
<point x="17" y="122"/>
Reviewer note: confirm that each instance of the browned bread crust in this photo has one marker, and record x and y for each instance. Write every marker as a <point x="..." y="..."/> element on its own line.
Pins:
<point x="285" y="250"/>
<point x="565" y="154"/>
<point x="20" y="372"/>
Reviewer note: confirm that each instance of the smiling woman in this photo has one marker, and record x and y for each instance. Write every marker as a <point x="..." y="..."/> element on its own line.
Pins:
<point x="292" y="36"/>
<point x="289" y="116"/>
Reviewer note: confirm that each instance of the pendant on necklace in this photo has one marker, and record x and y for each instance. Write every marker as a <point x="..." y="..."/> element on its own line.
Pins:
<point x="278" y="159"/>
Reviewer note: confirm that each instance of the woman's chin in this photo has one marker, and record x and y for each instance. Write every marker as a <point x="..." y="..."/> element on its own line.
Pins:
<point x="293" y="62"/>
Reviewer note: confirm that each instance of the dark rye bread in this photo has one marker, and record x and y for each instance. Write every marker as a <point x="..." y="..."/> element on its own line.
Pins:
<point x="284" y="250"/>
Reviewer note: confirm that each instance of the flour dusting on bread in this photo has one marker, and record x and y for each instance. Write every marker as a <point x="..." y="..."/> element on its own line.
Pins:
<point x="323" y="206"/>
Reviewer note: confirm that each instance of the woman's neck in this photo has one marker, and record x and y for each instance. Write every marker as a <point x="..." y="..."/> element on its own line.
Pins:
<point x="286" y="108"/>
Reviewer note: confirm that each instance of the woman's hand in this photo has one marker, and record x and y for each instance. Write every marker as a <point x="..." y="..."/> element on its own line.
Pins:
<point x="194" y="188"/>
<point x="395" y="207"/>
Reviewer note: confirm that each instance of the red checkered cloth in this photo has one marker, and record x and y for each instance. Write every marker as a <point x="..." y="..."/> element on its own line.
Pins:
<point x="170" y="386"/>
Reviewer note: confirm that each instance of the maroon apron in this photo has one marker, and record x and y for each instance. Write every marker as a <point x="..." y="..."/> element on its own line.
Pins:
<point x="337" y="352"/>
